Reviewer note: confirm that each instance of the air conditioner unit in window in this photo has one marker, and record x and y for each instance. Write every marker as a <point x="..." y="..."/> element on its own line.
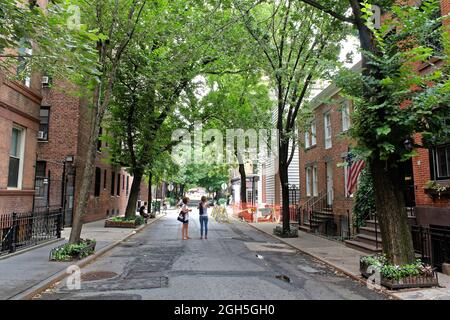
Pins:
<point x="41" y="135"/>
<point x="45" y="81"/>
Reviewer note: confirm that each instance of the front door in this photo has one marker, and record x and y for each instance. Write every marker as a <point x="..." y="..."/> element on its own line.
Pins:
<point x="69" y="198"/>
<point x="329" y="179"/>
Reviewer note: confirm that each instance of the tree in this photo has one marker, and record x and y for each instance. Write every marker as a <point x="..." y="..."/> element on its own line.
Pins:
<point x="239" y="101"/>
<point x="393" y="103"/>
<point x="117" y="23"/>
<point x="43" y="40"/>
<point x="298" y="45"/>
<point x="152" y="96"/>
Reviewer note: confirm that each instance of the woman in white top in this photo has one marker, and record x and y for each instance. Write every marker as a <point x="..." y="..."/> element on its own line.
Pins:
<point x="203" y="214"/>
<point x="185" y="211"/>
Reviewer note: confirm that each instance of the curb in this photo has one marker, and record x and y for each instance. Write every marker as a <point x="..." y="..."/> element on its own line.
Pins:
<point x="31" y="292"/>
<point x="330" y="264"/>
<point x="40" y="245"/>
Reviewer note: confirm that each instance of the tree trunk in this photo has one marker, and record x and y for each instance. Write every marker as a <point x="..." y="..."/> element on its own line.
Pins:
<point x="391" y="213"/>
<point x="149" y="196"/>
<point x="130" y="212"/>
<point x="284" y="180"/>
<point x="87" y="179"/>
<point x="284" y="195"/>
<point x="388" y="180"/>
<point x="243" y="189"/>
<point x="182" y="190"/>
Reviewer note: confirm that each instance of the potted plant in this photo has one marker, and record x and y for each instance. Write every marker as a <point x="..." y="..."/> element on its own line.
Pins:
<point x="70" y="252"/>
<point x="434" y="189"/>
<point x="414" y="275"/>
<point x="122" y="222"/>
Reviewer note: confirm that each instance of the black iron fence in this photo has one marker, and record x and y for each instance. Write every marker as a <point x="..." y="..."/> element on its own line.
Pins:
<point x="22" y="230"/>
<point x="432" y="244"/>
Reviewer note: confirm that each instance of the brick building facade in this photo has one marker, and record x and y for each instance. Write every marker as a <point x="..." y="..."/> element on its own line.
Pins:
<point x="19" y="124"/>
<point x="62" y="149"/>
<point x="323" y="150"/>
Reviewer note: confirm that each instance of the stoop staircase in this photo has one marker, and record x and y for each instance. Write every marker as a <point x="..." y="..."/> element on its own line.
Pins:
<point x="316" y="212"/>
<point x="368" y="239"/>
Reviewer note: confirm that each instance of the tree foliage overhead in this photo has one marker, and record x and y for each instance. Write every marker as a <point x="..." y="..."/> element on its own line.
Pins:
<point x="403" y="100"/>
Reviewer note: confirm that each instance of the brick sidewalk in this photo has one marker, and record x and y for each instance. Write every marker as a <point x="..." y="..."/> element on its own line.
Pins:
<point x="346" y="260"/>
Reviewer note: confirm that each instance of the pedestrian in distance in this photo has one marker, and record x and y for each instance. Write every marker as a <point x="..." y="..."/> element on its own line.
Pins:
<point x="185" y="213"/>
<point x="203" y="214"/>
<point x="143" y="212"/>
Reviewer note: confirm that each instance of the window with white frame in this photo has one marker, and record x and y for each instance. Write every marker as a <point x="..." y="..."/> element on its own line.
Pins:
<point x="16" y="155"/>
<point x="315" y="182"/>
<point x="327" y="127"/>
<point x="308" y="182"/>
<point x="307" y="141"/>
<point x="313" y="134"/>
<point x="345" y="115"/>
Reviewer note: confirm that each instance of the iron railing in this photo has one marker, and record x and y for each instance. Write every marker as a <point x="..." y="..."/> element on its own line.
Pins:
<point x="432" y="244"/>
<point x="22" y="230"/>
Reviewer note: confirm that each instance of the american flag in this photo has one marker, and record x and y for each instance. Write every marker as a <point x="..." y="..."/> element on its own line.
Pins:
<point x="353" y="170"/>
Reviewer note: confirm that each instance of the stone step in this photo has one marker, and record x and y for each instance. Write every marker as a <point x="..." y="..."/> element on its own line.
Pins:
<point x="369" y="231"/>
<point x="361" y="246"/>
<point x="368" y="239"/>
<point x="305" y="228"/>
<point x="371" y="224"/>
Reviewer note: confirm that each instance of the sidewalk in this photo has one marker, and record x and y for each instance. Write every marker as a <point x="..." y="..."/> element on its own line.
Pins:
<point x="346" y="260"/>
<point x="21" y="273"/>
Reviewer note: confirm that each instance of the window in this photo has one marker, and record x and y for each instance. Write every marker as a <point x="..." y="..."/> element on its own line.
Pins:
<point x="345" y="116"/>
<point x="43" y="125"/>
<point x="98" y="177"/>
<point x="440" y="162"/>
<point x="327" y="127"/>
<point x="113" y="178"/>
<point x="118" y="184"/>
<point x="15" y="169"/>
<point x="307" y="143"/>
<point x="313" y="134"/>
<point x="123" y="182"/>
<point x="128" y="184"/>
<point x="308" y="181"/>
<point x="315" y="182"/>
<point x="104" y="179"/>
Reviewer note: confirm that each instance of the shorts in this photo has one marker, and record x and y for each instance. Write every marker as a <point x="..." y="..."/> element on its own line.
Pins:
<point x="185" y="222"/>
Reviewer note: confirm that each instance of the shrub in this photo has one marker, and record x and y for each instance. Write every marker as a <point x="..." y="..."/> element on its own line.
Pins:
<point x="396" y="272"/>
<point x="138" y="220"/>
<point x="69" y="251"/>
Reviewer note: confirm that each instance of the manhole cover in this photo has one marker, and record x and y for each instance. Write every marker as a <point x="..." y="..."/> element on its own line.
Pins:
<point x="97" y="275"/>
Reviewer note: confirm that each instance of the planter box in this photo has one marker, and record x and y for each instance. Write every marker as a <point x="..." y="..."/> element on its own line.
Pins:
<point x="435" y="194"/>
<point x="405" y="283"/>
<point x="89" y="247"/>
<point x="120" y="224"/>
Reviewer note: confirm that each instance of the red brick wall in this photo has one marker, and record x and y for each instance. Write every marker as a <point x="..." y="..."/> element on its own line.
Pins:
<point x="18" y="105"/>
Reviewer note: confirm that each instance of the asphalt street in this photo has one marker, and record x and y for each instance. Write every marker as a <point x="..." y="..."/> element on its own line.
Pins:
<point x="236" y="262"/>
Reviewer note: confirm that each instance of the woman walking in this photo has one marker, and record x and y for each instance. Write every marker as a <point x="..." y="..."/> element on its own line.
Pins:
<point x="185" y="211"/>
<point x="203" y="213"/>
